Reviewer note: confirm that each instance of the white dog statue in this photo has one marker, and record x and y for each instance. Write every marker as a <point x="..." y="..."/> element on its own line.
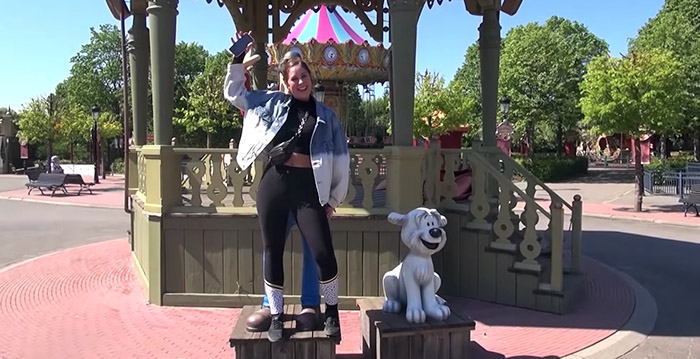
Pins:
<point x="413" y="284"/>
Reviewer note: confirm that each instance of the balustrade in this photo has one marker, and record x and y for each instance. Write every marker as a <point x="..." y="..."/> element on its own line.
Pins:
<point x="211" y="181"/>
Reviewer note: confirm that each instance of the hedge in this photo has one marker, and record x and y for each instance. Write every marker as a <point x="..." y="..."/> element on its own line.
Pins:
<point x="554" y="168"/>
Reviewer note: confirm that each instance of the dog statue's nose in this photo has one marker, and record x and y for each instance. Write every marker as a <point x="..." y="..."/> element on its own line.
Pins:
<point x="435" y="232"/>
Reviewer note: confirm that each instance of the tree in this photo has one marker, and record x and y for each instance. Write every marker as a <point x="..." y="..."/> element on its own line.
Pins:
<point x="675" y="29"/>
<point x="96" y="72"/>
<point x="206" y="111"/>
<point x="39" y="124"/>
<point x="541" y="69"/>
<point x="437" y="109"/>
<point x="190" y="60"/>
<point x="633" y="95"/>
<point x="466" y="85"/>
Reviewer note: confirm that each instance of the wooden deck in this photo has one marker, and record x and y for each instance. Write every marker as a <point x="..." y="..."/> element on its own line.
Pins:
<point x="295" y="345"/>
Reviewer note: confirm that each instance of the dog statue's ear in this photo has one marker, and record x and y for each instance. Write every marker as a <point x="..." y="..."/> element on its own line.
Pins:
<point x="443" y="221"/>
<point x="397" y="218"/>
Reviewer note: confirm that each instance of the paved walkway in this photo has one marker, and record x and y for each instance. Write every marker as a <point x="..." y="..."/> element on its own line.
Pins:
<point x="87" y="302"/>
<point x="108" y="193"/>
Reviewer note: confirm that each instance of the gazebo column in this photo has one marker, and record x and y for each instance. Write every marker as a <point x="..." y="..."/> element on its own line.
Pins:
<point x="258" y="80"/>
<point x="137" y="46"/>
<point x="404" y="189"/>
<point x="161" y="165"/>
<point x="162" y="35"/>
<point x="489" y="53"/>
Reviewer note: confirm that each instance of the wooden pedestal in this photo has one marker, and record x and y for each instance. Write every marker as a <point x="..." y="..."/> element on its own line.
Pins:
<point x="390" y="336"/>
<point x="295" y="345"/>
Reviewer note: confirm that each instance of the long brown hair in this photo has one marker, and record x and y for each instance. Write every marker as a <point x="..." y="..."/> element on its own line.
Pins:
<point x="291" y="62"/>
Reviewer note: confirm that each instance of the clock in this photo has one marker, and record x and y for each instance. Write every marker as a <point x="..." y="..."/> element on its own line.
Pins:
<point x="295" y="49"/>
<point x="363" y="56"/>
<point x="330" y="54"/>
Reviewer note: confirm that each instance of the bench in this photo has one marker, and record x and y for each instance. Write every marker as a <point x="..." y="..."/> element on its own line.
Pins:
<point x="692" y="200"/>
<point x="55" y="181"/>
<point x="692" y="167"/>
<point x="78" y="179"/>
<point x="33" y="174"/>
<point x="50" y="182"/>
<point x="296" y="344"/>
<point x="391" y="336"/>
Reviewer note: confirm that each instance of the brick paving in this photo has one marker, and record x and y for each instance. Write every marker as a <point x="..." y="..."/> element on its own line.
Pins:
<point x="108" y="193"/>
<point x="86" y="302"/>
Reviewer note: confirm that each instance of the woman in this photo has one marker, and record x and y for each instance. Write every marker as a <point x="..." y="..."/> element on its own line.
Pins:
<point x="310" y="178"/>
<point x="55" y="165"/>
<point x="310" y="298"/>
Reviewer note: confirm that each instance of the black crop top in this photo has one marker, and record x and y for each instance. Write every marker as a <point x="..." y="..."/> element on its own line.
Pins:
<point x="297" y="110"/>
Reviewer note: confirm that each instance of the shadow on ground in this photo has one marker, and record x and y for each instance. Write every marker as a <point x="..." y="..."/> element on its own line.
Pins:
<point x="606" y="175"/>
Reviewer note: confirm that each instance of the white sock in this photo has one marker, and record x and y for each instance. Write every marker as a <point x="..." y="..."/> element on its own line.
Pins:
<point x="329" y="289"/>
<point x="275" y="296"/>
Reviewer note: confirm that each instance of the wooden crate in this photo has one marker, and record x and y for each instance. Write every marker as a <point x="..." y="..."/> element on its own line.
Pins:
<point x="295" y="345"/>
<point x="391" y="336"/>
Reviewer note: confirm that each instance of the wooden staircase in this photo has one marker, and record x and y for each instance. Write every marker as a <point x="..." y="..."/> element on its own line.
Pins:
<point x="495" y="254"/>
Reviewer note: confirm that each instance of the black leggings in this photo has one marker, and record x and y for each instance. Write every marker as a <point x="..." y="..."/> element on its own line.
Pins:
<point x="282" y="190"/>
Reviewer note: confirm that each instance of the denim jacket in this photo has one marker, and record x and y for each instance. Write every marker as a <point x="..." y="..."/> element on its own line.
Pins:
<point x="265" y="113"/>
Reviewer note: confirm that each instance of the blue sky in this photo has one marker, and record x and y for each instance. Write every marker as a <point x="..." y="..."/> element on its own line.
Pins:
<point x="39" y="37"/>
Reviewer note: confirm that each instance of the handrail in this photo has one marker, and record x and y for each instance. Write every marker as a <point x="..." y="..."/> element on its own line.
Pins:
<point x="482" y="161"/>
<point x="520" y="168"/>
<point x="187" y="150"/>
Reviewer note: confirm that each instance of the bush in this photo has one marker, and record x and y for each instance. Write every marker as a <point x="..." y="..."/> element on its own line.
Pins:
<point x="118" y="166"/>
<point x="659" y="166"/>
<point x="550" y="168"/>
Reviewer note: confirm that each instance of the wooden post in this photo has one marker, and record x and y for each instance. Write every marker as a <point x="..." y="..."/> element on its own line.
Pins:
<point x="557" y="238"/>
<point x="576" y="218"/>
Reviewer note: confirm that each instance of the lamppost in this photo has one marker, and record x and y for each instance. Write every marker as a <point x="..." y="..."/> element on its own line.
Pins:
<point x="505" y="106"/>
<point x="319" y="92"/>
<point x="95" y="116"/>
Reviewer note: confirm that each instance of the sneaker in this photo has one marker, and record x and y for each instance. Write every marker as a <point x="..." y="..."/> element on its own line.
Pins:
<point x="274" y="334"/>
<point x="331" y="327"/>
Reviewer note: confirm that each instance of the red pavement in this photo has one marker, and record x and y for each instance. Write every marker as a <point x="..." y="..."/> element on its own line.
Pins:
<point x="649" y="214"/>
<point x="86" y="302"/>
<point x="108" y="193"/>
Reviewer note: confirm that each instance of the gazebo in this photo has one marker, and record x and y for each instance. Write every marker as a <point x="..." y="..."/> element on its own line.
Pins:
<point x="205" y="249"/>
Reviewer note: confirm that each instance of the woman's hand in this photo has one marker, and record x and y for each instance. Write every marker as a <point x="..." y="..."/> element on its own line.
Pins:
<point x="329" y="211"/>
<point x="249" y="53"/>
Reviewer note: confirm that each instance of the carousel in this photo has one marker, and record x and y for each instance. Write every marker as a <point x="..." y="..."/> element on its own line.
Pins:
<point x="340" y="59"/>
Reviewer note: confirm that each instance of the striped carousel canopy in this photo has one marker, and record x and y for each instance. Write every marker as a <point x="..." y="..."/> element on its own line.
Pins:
<point x="323" y="23"/>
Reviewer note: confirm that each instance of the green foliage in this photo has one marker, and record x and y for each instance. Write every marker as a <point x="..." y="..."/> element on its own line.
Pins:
<point x="206" y="111"/>
<point x="96" y="72"/>
<point x="676" y="163"/>
<point x="118" y="166"/>
<point x="37" y="121"/>
<point x="554" y="168"/>
<point x="633" y="95"/>
<point x="540" y="71"/>
<point x="437" y="109"/>
<point x="541" y="68"/>
<point x="675" y="28"/>
<point x="378" y="115"/>
<point x="467" y="85"/>
<point x="109" y="126"/>
<point x="190" y="60"/>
